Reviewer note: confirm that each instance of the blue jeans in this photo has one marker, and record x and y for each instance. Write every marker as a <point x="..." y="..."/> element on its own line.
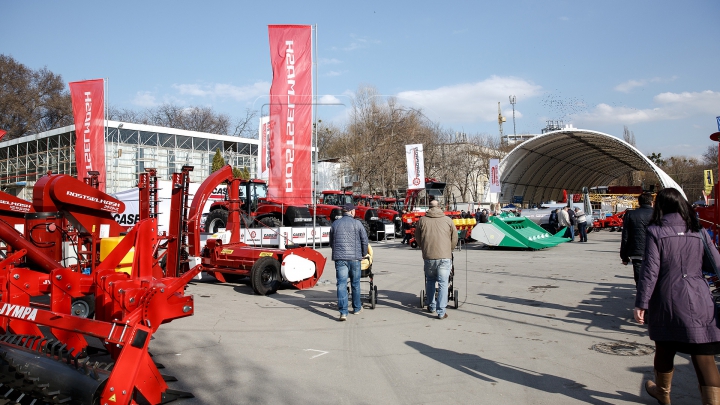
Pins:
<point x="437" y="271"/>
<point x="343" y="269"/>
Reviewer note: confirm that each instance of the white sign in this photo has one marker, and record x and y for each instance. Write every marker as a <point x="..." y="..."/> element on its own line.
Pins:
<point x="494" y="175"/>
<point x="416" y="166"/>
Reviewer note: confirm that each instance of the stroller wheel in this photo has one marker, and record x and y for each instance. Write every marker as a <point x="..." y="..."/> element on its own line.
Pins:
<point x="456" y="298"/>
<point x="414" y="245"/>
<point x="373" y="297"/>
<point x="422" y="298"/>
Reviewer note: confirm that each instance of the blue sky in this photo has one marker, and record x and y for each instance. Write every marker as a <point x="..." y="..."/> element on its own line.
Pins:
<point x="649" y="65"/>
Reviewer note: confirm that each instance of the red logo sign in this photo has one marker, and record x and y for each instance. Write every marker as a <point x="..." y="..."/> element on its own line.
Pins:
<point x="416" y="181"/>
<point x="252" y="234"/>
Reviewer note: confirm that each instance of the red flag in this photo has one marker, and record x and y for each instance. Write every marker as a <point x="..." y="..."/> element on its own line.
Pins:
<point x="88" y="102"/>
<point x="2" y="133"/>
<point x="290" y="113"/>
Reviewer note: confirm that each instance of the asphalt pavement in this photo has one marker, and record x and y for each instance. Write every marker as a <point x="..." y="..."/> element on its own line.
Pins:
<point x="533" y="327"/>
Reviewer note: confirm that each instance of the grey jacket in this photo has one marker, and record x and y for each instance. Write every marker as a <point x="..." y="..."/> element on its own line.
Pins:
<point x="436" y="235"/>
<point x="671" y="285"/>
<point x="348" y="239"/>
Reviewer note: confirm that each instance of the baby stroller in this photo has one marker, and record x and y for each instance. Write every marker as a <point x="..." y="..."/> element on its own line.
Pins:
<point x="453" y="294"/>
<point x="366" y="273"/>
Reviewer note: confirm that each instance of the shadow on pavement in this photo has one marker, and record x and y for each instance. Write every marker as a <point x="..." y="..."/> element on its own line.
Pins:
<point x="493" y="371"/>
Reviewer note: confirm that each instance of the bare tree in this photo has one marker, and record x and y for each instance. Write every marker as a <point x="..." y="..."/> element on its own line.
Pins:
<point x="31" y="101"/>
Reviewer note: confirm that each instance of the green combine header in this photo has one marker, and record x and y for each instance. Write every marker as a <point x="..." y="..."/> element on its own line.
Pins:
<point x="516" y="232"/>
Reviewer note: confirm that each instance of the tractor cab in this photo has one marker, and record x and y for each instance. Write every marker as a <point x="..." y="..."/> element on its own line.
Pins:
<point x="338" y="198"/>
<point x="251" y="192"/>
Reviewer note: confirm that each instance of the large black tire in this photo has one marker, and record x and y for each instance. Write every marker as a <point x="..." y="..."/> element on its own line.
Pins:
<point x="83" y="307"/>
<point x="265" y="276"/>
<point x="270" y="222"/>
<point x="322" y="221"/>
<point x="366" y="226"/>
<point x="215" y="220"/>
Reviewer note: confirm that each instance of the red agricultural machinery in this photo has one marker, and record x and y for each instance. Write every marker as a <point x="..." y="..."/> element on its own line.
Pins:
<point x="227" y="258"/>
<point x="53" y="257"/>
<point x="329" y="209"/>
<point x="258" y="210"/>
<point x="612" y="222"/>
<point x="387" y="216"/>
<point x="434" y="190"/>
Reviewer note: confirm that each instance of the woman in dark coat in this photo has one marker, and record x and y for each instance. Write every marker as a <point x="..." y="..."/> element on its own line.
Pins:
<point x="674" y="298"/>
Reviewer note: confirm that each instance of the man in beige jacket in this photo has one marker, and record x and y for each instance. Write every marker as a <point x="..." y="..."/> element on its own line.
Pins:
<point x="437" y="237"/>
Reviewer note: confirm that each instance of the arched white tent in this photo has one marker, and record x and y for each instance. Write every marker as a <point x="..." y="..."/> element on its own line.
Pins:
<point x="570" y="159"/>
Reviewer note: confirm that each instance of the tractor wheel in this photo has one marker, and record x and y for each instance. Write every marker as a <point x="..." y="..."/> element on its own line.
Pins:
<point x="366" y="226"/>
<point x="83" y="307"/>
<point x="271" y="222"/>
<point x="322" y="221"/>
<point x="265" y="276"/>
<point x="216" y="219"/>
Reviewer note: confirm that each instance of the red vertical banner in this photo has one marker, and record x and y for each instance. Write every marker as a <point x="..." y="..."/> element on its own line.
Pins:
<point x="88" y="103"/>
<point x="290" y="114"/>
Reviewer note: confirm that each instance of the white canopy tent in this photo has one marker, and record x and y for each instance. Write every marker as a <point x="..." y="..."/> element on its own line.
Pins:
<point x="539" y="169"/>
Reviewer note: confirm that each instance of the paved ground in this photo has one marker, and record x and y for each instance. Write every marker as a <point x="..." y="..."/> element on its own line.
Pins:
<point x="524" y="334"/>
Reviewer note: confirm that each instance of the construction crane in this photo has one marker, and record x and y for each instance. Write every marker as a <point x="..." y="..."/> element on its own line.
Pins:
<point x="501" y="119"/>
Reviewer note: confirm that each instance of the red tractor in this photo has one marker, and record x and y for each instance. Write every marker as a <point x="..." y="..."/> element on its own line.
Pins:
<point x="257" y="210"/>
<point x="330" y="205"/>
<point x="387" y="215"/>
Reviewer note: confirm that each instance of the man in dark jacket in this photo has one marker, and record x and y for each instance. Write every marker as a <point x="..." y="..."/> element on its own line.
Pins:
<point x="573" y="220"/>
<point x="635" y="223"/>
<point x="437" y="236"/>
<point x="349" y="243"/>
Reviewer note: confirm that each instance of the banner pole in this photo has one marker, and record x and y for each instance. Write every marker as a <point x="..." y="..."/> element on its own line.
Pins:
<point x="314" y="135"/>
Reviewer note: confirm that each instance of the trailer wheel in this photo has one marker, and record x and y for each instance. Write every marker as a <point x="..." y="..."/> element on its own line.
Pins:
<point x="265" y="276"/>
<point x="83" y="307"/>
<point x="215" y="220"/>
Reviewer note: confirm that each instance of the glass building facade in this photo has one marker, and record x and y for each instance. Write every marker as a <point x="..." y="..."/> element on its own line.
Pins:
<point x="129" y="150"/>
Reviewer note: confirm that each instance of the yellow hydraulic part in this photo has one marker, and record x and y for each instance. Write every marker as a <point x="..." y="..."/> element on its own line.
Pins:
<point x="464" y="223"/>
<point x="108" y="244"/>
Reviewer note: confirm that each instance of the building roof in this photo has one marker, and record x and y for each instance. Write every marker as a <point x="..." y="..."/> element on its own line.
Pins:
<point x="134" y="127"/>
<point x="570" y="159"/>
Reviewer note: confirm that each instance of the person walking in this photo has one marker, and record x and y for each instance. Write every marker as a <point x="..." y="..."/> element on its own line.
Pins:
<point x="635" y="223"/>
<point x="553" y="221"/>
<point x="437" y="236"/>
<point x="581" y="220"/>
<point x="674" y="299"/>
<point x="564" y="221"/>
<point x="349" y="244"/>
<point x="571" y="216"/>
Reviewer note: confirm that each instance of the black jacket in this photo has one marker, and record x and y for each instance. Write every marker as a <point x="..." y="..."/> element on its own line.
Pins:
<point x="571" y="215"/>
<point x="635" y="223"/>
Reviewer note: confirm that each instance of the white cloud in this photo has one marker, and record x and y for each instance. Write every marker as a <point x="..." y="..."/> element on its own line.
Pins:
<point x="672" y="106"/>
<point x="358" y="43"/>
<point x="328" y="99"/>
<point x="627" y="86"/>
<point x="333" y="73"/>
<point x="144" y="99"/>
<point x="222" y="90"/>
<point x="328" y="61"/>
<point x="470" y="102"/>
